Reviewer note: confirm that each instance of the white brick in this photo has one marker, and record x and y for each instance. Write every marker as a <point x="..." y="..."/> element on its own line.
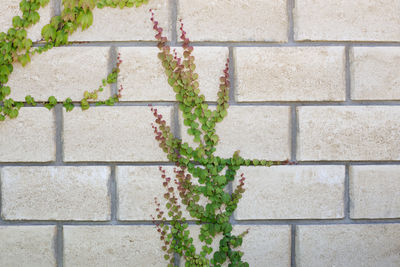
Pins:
<point x="236" y="20"/>
<point x="375" y="191"/>
<point x="263" y="244"/>
<point x="30" y="137"/>
<point x="55" y="193"/>
<point x="348" y="245"/>
<point x="86" y="246"/>
<point x="137" y="187"/>
<point x="258" y="132"/>
<point x="127" y="24"/>
<point x="290" y="74"/>
<point x="375" y="73"/>
<point x="292" y="192"/>
<point x="359" y="20"/>
<point x="31" y="246"/>
<point x="144" y="79"/>
<point x="62" y="72"/>
<point x="10" y="8"/>
<point x="349" y="133"/>
<point x="112" y="134"/>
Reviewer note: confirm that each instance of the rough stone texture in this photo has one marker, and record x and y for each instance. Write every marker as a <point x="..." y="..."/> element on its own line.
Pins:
<point x="375" y="191"/>
<point x="112" y="134"/>
<point x="144" y="79"/>
<point x="263" y="244"/>
<point x="127" y="24"/>
<point x="62" y="72"/>
<point x="258" y="132"/>
<point x="348" y="245"/>
<point x="360" y="20"/>
<point x="349" y="133"/>
<point x="237" y="20"/>
<point x="55" y="193"/>
<point x="29" y="137"/>
<point x="137" y="186"/>
<point x="10" y="8"/>
<point x="290" y="74"/>
<point x="375" y="73"/>
<point x="292" y="192"/>
<point x="31" y="246"/>
<point x="116" y="246"/>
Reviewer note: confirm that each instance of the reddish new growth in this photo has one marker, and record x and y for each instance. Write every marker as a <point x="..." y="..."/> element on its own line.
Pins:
<point x="162" y="132"/>
<point x="162" y="40"/>
<point x="119" y="62"/>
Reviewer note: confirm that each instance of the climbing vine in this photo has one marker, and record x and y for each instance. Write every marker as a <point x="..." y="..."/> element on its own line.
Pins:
<point x="202" y="179"/>
<point x="16" y="47"/>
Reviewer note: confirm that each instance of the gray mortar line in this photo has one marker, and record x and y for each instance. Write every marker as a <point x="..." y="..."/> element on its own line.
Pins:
<point x="348" y="75"/>
<point x="55" y="6"/>
<point x="264" y="222"/>
<point x="293" y="134"/>
<point x="228" y="44"/>
<point x="293" y="246"/>
<point x="174" y="20"/>
<point x="321" y="103"/>
<point x="290" y="6"/>
<point x="59" y="245"/>
<point x="112" y="63"/>
<point x="347" y="194"/>
<point x="156" y="164"/>
<point x="175" y="125"/>
<point x="357" y="103"/>
<point x="112" y="191"/>
<point x="58" y="111"/>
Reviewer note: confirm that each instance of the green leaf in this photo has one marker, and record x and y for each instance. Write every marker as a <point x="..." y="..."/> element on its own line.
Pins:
<point x="49" y="32"/>
<point x="29" y="100"/>
<point x="52" y="100"/>
<point x="85" y="19"/>
<point x="24" y="59"/>
<point x="221" y="180"/>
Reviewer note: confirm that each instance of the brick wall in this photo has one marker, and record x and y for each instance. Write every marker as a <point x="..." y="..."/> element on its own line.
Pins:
<point x="315" y="81"/>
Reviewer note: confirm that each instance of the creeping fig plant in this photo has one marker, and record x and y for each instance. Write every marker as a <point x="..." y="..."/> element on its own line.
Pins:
<point x="202" y="179"/>
<point x="15" y="47"/>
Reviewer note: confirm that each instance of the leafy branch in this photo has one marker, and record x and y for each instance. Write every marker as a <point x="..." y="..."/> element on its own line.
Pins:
<point x="16" y="47"/>
<point x="199" y="174"/>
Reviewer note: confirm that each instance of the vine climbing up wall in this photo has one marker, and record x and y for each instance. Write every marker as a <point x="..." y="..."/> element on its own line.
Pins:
<point x="78" y="186"/>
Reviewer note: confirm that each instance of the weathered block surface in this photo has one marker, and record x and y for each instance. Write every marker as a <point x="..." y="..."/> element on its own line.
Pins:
<point x="10" y="8"/>
<point x="55" y="193"/>
<point x="263" y="244"/>
<point x="349" y="133"/>
<point x="375" y="191"/>
<point x="235" y="20"/>
<point x="292" y="192"/>
<point x="144" y="79"/>
<point x="290" y="74"/>
<point x="375" y="73"/>
<point x="62" y="72"/>
<point x="112" y="134"/>
<point x="258" y="132"/>
<point x="27" y="246"/>
<point x="348" y="245"/>
<point x="360" y="20"/>
<point x="86" y="246"/>
<point x="137" y="186"/>
<point x="29" y="137"/>
<point x="127" y="24"/>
